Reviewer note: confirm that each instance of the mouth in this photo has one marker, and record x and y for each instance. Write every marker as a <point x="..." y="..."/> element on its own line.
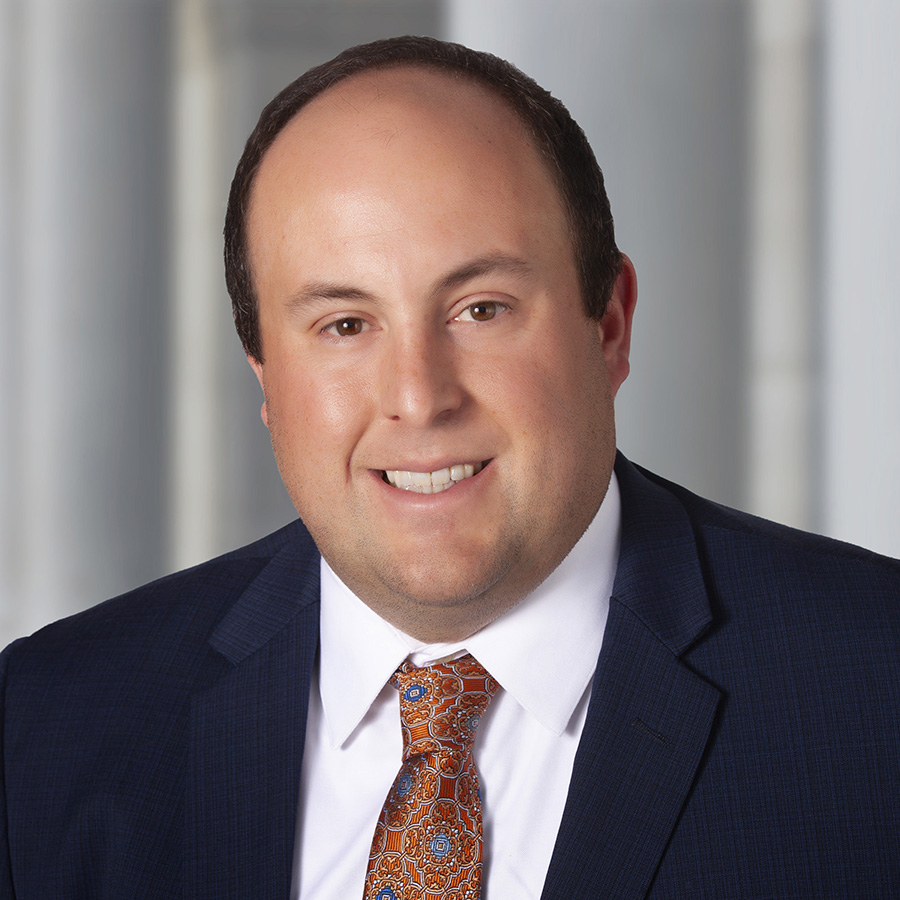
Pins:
<point x="432" y="482"/>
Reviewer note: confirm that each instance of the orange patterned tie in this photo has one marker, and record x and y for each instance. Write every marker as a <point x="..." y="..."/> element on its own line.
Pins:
<point x="427" y="843"/>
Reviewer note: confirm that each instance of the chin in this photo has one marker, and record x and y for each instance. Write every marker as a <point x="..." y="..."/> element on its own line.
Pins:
<point x="428" y="594"/>
<point x="432" y="588"/>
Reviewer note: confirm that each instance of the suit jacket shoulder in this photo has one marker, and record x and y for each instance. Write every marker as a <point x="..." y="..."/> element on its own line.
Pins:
<point x="742" y="734"/>
<point x="180" y="610"/>
<point x="121" y="724"/>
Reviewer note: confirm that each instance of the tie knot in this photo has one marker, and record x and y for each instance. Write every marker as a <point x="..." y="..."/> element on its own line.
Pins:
<point x="441" y="705"/>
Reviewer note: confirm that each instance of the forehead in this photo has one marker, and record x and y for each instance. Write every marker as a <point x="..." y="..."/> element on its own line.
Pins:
<point x="401" y="123"/>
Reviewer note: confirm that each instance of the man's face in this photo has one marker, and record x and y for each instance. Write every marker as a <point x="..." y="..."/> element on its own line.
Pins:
<point x="420" y="313"/>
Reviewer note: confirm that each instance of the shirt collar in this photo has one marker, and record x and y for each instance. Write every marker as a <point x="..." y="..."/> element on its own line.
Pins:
<point x="561" y="623"/>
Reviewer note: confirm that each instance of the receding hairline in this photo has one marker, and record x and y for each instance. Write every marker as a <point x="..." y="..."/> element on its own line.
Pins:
<point x="437" y="74"/>
<point x="399" y="69"/>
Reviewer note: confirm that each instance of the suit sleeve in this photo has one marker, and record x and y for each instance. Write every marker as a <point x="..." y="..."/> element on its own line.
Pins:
<point x="7" y="891"/>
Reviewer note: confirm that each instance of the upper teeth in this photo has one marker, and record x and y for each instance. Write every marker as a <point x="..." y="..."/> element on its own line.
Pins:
<point x="432" y="482"/>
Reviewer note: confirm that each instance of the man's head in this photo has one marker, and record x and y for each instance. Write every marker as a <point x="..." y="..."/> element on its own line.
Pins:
<point x="558" y="138"/>
<point x="421" y="311"/>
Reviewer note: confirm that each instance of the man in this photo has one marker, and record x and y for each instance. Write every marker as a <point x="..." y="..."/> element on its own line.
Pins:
<point x="687" y="702"/>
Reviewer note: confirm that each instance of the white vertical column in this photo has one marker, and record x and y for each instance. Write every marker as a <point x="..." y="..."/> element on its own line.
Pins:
<point x="91" y="300"/>
<point x="781" y="459"/>
<point x="861" y="339"/>
<point x="10" y="319"/>
<point x="198" y="295"/>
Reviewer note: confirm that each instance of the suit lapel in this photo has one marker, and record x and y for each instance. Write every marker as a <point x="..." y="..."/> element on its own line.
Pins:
<point x="247" y="737"/>
<point x="650" y="716"/>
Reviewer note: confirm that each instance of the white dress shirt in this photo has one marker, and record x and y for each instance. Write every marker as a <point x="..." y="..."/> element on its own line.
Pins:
<point x="543" y="653"/>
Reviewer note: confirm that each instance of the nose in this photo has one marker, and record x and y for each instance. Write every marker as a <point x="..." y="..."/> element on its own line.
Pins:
<point x="419" y="379"/>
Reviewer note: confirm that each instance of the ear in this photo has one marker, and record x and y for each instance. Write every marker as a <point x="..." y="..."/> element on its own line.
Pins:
<point x="257" y="367"/>
<point x="615" y="326"/>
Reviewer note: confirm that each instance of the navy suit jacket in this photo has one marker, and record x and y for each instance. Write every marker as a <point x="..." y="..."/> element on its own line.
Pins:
<point x="742" y="738"/>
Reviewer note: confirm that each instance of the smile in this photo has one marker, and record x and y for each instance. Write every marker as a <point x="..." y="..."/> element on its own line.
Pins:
<point x="432" y="482"/>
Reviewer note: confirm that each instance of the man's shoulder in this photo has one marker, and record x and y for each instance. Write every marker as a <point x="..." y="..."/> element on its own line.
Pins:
<point x="745" y="555"/>
<point x="735" y="527"/>
<point x="722" y="529"/>
<point x="177" y="610"/>
<point x="801" y="633"/>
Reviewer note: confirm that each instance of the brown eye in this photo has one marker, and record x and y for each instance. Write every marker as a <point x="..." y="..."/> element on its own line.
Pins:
<point x="483" y="312"/>
<point x="347" y="327"/>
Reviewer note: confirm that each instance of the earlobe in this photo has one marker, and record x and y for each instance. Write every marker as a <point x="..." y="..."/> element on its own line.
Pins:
<point x="615" y="326"/>
<point x="257" y="367"/>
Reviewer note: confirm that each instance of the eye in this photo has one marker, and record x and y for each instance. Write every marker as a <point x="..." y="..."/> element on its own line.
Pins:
<point x="482" y="311"/>
<point x="349" y="326"/>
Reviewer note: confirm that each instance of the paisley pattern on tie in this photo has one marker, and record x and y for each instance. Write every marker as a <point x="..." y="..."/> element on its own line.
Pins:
<point x="428" y="843"/>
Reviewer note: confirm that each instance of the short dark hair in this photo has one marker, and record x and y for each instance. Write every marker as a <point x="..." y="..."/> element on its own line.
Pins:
<point x="556" y="135"/>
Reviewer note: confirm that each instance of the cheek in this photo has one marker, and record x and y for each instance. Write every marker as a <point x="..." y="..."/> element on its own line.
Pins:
<point x="560" y="408"/>
<point x="544" y="389"/>
<point x="319" y="414"/>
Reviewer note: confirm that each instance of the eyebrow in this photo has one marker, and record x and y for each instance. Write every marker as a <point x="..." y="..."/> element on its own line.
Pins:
<point x="493" y="263"/>
<point x="321" y="291"/>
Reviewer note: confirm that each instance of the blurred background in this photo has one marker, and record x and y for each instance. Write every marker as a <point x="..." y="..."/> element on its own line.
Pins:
<point x="751" y="153"/>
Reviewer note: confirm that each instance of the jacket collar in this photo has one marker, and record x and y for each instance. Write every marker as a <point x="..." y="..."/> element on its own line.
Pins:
<point x="659" y="577"/>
